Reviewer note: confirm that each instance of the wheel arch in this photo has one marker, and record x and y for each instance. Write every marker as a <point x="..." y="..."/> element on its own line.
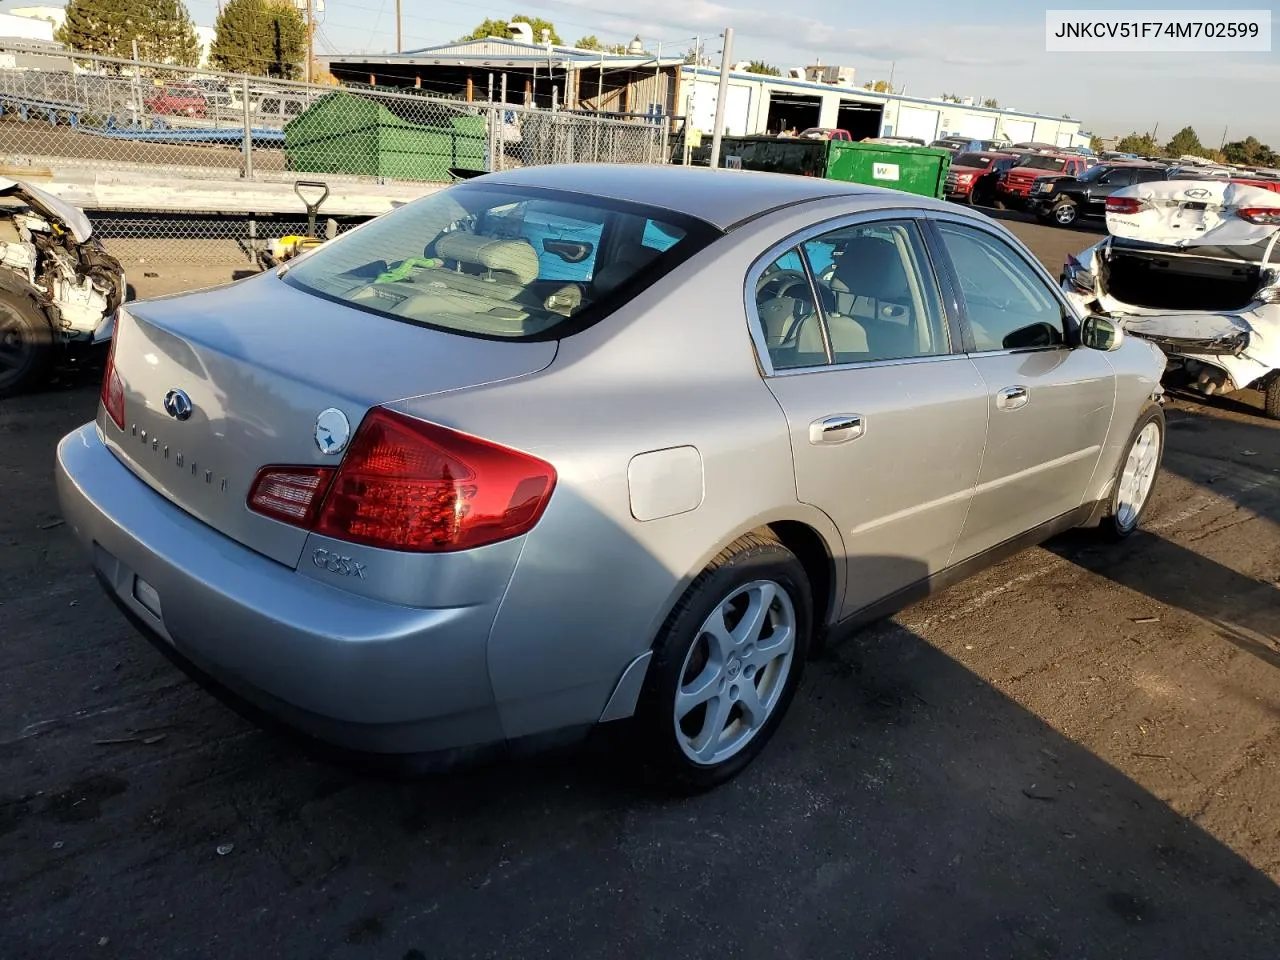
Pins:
<point x="804" y="530"/>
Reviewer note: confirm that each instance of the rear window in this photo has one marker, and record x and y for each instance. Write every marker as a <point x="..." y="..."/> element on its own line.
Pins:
<point x="1043" y="163"/>
<point x="971" y="160"/>
<point x="512" y="263"/>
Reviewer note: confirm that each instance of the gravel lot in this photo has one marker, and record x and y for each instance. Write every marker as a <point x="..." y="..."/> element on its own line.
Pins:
<point x="1073" y="755"/>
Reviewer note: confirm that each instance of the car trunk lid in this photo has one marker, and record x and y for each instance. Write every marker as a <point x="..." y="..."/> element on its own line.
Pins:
<point x="1182" y="213"/>
<point x="257" y="363"/>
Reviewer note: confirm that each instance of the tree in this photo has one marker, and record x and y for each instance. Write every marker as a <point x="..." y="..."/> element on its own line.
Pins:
<point x="99" y="26"/>
<point x="1095" y="144"/>
<point x="266" y="38"/>
<point x="878" y="86"/>
<point x="498" y="28"/>
<point x="695" y="57"/>
<point x="991" y="102"/>
<point x="162" y="29"/>
<point x="949" y="98"/>
<point x="589" y="43"/>
<point x="1185" y="143"/>
<point x="759" y="66"/>
<point x="1143" y="144"/>
<point x="1250" y="152"/>
<point x="168" y="35"/>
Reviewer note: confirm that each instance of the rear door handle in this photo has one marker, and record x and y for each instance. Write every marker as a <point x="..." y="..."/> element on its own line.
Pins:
<point x="838" y="428"/>
<point x="1011" y="398"/>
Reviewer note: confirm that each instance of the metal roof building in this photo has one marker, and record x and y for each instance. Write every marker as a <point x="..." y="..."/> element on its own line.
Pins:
<point x="543" y="75"/>
<point x="762" y="104"/>
<point x="643" y="84"/>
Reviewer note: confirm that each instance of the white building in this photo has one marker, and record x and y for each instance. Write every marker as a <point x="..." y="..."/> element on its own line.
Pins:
<point x="205" y="35"/>
<point x="55" y="15"/>
<point x="760" y="104"/>
<point x="14" y="26"/>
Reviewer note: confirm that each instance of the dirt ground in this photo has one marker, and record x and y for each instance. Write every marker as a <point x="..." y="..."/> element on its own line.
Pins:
<point x="1072" y="755"/>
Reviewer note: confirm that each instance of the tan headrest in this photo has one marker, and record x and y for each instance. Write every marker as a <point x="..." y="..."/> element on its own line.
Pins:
<point x="515" y="257"/>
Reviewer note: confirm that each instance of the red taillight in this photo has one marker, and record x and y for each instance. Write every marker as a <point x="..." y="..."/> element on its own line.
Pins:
<point x="409" y="485"/>
<point x="112" y="395"/>
<point x="1269" y="216"/>
<point x="1124" y="205"/>
<point x="290" y="494"/>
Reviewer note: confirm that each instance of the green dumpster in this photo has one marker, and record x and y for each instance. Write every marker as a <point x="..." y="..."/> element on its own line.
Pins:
<point x="919" y="170"/>
<point x="347" y="134"/>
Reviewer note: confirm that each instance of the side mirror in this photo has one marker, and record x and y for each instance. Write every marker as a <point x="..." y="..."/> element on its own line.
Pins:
<point x="1100" y="333"/>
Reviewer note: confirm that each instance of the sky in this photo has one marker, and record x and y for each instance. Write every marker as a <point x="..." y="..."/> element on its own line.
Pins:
<point x="981" y="49"/>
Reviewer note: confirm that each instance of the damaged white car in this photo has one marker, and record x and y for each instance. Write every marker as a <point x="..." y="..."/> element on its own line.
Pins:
<point x="59" y="289"/>
<point x="1191" y="266"/>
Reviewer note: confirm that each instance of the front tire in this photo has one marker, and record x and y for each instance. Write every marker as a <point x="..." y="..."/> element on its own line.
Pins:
<point x="1271" y="398"/>
<point x="726" y="666"/>
<point x="1136" y="477"/>
<point x="26" y="344"/>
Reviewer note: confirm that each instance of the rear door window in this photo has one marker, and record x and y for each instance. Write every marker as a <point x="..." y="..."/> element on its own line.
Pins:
<point x="859" y="294"/>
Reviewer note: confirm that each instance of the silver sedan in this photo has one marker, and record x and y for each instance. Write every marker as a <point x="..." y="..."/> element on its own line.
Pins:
<point x="576" y="445"/>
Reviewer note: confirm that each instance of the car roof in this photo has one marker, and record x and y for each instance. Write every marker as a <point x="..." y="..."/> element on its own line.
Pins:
<point x="722" y="198"/>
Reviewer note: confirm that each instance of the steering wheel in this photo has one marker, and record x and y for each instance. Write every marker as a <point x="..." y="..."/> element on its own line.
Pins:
<point x="781" y="282"/>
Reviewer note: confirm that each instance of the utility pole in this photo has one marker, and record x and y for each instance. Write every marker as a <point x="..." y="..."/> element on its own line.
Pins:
<point x="726" y="58"/>
<point x="311" y="36"/>
<point x="398" y="48"/>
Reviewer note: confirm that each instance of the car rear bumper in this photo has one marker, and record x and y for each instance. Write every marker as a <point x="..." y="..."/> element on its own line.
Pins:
<point x="352" y="671"/>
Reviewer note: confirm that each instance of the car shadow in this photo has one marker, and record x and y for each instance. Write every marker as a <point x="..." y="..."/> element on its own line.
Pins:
<point x="906" y="805"/>
<point x="1236" y="460"/>
<point x="1243" y="610"/>
<point x="1232" y="461"/>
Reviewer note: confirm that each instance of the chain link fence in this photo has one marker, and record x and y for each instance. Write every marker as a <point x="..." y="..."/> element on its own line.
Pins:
<point x="74" y="118"/>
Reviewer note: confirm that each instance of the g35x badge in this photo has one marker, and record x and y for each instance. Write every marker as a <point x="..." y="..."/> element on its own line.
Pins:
<point x="332" y="431"/>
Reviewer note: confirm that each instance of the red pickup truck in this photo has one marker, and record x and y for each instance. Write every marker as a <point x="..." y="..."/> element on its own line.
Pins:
<point x="177" y="101"/>
<point x="1014" y="186"/>
<point x="973" y="176"/>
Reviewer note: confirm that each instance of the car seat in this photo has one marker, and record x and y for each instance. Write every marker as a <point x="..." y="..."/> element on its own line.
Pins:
<point x="872" y="298"/>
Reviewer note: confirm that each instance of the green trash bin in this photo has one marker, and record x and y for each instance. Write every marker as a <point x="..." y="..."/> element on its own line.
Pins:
<point x="919" y="170"/>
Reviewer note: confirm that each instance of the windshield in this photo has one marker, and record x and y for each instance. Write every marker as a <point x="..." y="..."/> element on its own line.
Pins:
<point x="1043" y="163"/>
<point x="502" y="262"/>
<point x="972" y="160"/>
<point x="1093" y="173"/>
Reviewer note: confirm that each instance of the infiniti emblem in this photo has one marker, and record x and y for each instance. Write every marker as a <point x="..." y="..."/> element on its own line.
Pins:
<point x="177" y="404"/>
<point x="332" y="431"/>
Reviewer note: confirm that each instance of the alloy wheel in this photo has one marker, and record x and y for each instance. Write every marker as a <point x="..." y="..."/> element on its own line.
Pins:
<point x="1138" y="476"/>
<point x="735" y="672"/>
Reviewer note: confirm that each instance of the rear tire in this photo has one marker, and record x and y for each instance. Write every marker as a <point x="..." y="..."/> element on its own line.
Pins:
<point x="726" y="666"/>
<point x="26" y="344"/>
<point x="1136" y="476"/>
<point x="1271" y="398"/>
